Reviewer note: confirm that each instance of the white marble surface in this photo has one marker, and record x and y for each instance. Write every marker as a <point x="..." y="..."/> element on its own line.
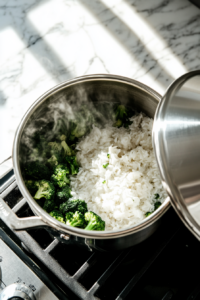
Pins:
<point x="43" y="43"/>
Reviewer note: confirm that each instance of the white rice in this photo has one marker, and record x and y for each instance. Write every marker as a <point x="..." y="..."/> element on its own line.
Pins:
<point x="132" y="177"/>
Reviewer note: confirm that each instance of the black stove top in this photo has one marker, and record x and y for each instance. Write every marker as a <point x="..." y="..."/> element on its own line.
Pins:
<point x="165" y="266"/>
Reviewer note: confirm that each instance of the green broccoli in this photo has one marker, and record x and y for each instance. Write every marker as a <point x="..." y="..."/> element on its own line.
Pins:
<point x="118" y="123"/>
<point x="122" y="116"/>
<point x="62" y="137"/>
<point x="82" y="123"/>
<point x="56" y="154"/>
<point x="78" y="128"/>
<point x="72" y="162"/>
<point x="108" y="155"/>
<point x="45" y="189"/>
<point x="105" y="166"/>
<point x="94" y="221"/>
<point x="60" y="177"/>
<point x="73" y="128"/>
<point x="31" y="186"/>
<point x="49" y="205"/>
<point x="104" y="181"/>
<point x="54" y="160"/>
<point x="75" y="219"/>
<point x="55" y="148"/>
<point x="63" y="194"/>
<point x="56" y="214"/>
<point x="120" y="111"/>
<point x="148" y="213"/>
<point x="157" y="205"/>
<point x="73" y="206"/>
<point x="67" y="150"/>
<point x="35" y="155"/>
<point x="36" y="170"/>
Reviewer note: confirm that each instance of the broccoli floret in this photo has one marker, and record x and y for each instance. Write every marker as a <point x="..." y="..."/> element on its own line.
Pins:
<point x="118" y="123"/>
<point x="55" y="148"/>
<point x="67" y="150"/>
<point x="156" y="196"/>
<point x="46" y="189"/>
<point x="75" y="219"/>
<point x="72" y="162"/>
<point x="56" y="154"/>
<point x="122" y="115"/>
<point x="108" y="155"/>
<point x="148" y="213"/>
<point x="60" y="177"/>
<point x="94" y="221"/>
<point x="157" y="204"/>
<point x="63" y="194"/>
<point x="78" y="127"/>
<point x="54" y="160"/>
<point x="49" y="205"/>
<point x="105" y="166"/>
<point x="78" y="130"/>
<point x="104" y="181"/>
<point x="84" y="119"/>
<point x="31" y="186"/>
<point x="73" y="206"/>
<point x="63" y="137"/>
<point x="35" y="155"/>
<point x="120" y="112"/>
<point x="56" y="214"/>
<point x="37" y="170"/>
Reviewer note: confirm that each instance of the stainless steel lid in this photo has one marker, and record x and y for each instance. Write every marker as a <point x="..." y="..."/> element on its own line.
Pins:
<point x="176" y="138"/>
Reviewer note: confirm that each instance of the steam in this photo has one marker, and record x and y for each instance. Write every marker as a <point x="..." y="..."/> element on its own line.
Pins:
<point x="59" y="110"/>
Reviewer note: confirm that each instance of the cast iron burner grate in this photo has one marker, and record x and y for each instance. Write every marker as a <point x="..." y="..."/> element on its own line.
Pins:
<point x="162" y="267"/>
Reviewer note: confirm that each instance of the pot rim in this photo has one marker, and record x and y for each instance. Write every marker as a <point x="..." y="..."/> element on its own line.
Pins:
<point x="50" y="221"/>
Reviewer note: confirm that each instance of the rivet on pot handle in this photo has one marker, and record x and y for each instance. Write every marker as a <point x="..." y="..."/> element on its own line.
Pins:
<point x="10" y="218"/>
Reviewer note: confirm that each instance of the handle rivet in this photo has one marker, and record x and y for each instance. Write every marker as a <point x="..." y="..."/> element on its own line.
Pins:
<point x="65" y="237"/>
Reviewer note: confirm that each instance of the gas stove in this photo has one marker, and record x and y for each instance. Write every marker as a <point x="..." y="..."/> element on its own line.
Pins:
<point x="34" y="265"/>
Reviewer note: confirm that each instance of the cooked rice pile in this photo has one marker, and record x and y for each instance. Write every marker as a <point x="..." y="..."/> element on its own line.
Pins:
<point x="132" y="177"/>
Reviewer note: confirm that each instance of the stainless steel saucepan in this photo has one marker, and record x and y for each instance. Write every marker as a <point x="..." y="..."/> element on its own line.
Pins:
<point x="96" y="88"/>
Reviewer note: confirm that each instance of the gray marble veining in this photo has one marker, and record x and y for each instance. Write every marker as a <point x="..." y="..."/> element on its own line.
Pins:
<point x="43" y="43"/>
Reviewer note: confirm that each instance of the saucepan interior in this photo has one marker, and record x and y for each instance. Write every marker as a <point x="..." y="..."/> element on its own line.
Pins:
<point x="65" y="98"/>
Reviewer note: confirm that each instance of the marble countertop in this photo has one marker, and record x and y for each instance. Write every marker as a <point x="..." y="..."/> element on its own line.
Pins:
<point x="43" y="43"/>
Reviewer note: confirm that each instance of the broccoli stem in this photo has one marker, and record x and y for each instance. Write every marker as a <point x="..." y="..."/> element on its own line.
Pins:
<point x="75" y="223"/>
<point x="66" y="148"/>
<point x="90" y="226"/>
<point x="39" y="193"/>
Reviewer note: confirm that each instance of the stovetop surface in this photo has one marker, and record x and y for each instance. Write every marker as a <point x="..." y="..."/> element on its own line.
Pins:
<point x="165" y="266"/>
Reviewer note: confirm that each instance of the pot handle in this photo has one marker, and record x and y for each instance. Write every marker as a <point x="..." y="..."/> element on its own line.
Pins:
<point x="10" y="218"/>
